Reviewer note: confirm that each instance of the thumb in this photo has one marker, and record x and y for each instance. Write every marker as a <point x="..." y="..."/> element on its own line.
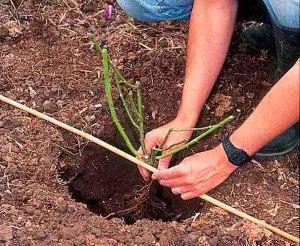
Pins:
<point x="164" y="163"/>
<point x="151" y="140"/>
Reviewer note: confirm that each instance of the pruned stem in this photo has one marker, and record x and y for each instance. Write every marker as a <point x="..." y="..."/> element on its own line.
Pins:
<point x="141" y="120"/>
<point x="181" y="130"/>
<point x="133" y="106"/>
<point x="123" y="80"/>
<point x="111" y="106"/>
<point x="97" y="46"/>
<point x="196" y="139"/>
<point x="153" y="155"/>
<point x="172" y="145"/>
<point x="117" y="80"/>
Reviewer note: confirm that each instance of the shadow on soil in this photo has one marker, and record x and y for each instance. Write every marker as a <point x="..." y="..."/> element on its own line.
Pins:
<point x="112" y="187"/>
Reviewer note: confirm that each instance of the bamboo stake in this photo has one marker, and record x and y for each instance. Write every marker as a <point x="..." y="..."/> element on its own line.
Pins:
<point x="145" y="165"/>
<point x="78" y="132"/>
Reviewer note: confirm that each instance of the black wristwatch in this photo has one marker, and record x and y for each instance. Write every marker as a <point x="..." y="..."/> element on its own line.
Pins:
<point x="236" y="156"/>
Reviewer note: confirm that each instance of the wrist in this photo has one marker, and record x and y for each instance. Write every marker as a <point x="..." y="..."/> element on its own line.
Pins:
<point x="239" y="142"/>
<point x="235" y="155"/>
<point x="189" y="119"/>
<point x="222" y="156"/>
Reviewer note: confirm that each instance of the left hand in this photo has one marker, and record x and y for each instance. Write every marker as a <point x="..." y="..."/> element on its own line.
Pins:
<point x="197" y="174"/>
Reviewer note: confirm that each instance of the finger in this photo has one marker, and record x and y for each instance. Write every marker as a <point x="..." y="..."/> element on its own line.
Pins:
<point x="189" y="195"/>
<point x="140" y="151"/>
<point x="176" y="191"/>
<point x="198" y="190"/>
<point x="145" y="173"/>
<point x="151" y="141"/>
<point x="185" y="189"/>
<point x="164" y="163"/>
<point x="177" y="182"/>
<point x="170" y="173"/>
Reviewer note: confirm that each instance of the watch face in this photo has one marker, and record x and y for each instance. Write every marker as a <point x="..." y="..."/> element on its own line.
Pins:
<point x="236" y="156"/>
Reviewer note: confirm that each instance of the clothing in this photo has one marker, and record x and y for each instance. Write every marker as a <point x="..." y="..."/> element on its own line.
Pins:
<point x="157" y="10"/>
<point x="285" y="13"/>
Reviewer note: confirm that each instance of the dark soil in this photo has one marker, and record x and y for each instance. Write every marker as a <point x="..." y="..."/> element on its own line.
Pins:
<point x="57" y="189"/>
<point x="113" y="187"/>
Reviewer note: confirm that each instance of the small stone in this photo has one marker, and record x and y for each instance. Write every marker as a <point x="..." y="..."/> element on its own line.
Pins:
<point x="5" y="86"/>
<point x="32" y="92"/>
<point x="60" y="199"/>
<point x="6" y="49"/>
<point x="1" y="123"/>
<point x="28" y="224"/>
<point x="131" y="56"/>
<point x="250" y="95"/>
<point x="99" y="105"/>
<point x="90" y="118"/>
<point x="60" y="104"/>
<point x="50" y="106"/>
<point x="14" y="28"/>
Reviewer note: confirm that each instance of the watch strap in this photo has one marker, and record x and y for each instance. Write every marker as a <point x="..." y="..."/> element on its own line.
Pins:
<point x="236" y="156"/>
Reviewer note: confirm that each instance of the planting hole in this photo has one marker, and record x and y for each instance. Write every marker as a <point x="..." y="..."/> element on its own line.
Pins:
<point x="112" y="187"/>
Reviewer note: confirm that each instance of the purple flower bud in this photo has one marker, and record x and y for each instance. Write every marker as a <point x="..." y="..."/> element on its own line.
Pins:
<point x="107" y="12"/>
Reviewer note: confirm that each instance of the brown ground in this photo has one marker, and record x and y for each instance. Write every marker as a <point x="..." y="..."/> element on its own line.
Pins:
<point x="47" y="63"/>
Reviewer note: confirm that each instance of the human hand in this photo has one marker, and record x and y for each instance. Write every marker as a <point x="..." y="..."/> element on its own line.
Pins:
<point x="157" y="137"/>
<point x="197" y="174"/>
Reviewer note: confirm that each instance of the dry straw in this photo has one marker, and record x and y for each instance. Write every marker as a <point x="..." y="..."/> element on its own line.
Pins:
<point x="145" y="165"/>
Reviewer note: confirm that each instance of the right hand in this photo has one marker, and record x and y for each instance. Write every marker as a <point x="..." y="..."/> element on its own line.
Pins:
<point x="156" y="137"/>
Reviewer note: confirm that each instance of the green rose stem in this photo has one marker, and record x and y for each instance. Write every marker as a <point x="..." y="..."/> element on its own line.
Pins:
<point x="123" y="80"/>
<point x="141" y="114"/>
<point x="197" y="139"/>
<point x="117" y="80"/>
<point x="180" y="130"/>
<point x="133" y="106"/>
<point x="111" y="106"/>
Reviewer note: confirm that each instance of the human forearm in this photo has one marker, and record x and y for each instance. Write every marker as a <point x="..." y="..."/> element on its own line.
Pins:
<point x="210" y="32"/>
<point x="277" y="112"/>
<point x="199" y="173"/>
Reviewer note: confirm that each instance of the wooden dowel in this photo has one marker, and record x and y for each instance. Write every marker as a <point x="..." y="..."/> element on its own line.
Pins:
<point x="145" y="165"/>
<point x="78" y="132"/>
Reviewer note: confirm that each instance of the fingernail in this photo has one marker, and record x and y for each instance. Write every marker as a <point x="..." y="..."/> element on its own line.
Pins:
<point x="176" y="191"/>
